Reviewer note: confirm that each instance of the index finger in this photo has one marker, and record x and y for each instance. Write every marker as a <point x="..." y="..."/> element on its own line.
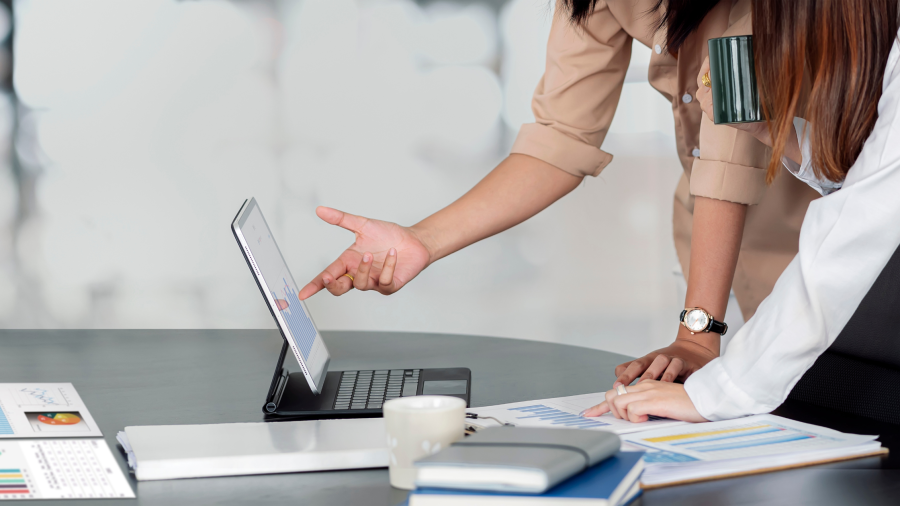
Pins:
<point x="597" y="410"/>
<point x="333" y="271"/>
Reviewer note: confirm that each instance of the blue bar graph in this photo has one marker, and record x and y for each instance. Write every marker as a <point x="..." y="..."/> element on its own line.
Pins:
<point x="299" y="324"/>
<point x="731" y="435"/>
<point x="557" y="417"/>
<point x="749" y="444"/>
<point x="5" y="427"/>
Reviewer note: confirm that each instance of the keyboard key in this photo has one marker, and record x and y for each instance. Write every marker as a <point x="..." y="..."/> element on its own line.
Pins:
<point x="409" y="389"/>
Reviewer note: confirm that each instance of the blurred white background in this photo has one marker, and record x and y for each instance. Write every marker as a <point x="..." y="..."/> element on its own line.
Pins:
<point x="141" y="127"/>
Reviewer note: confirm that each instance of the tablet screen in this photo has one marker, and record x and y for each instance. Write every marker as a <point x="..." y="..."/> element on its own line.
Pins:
<point x="278" y="286"/>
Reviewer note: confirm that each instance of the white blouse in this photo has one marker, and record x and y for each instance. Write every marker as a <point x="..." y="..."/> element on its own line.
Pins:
<point x="846" y="239"/>
<point x="804" y="171"/>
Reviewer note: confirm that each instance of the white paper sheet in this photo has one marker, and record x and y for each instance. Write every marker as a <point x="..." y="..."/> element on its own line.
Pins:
<point x="742" y="438"/>
<point x="562" y="412"/>
<point x="60" y="469"/>
<point x="42" y="410"/>
<point x="743" y="445"/>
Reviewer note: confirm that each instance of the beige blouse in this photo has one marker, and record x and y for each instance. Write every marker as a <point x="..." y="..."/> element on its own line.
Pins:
<point x="574" y="105"/>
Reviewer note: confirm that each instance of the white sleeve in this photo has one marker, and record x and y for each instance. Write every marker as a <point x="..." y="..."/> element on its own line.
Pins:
<point x="846" y="240"/>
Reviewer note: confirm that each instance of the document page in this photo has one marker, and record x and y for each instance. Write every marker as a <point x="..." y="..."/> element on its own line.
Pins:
<point x="43" y="410"/>
<point x="60" y="469"/>
<point x="742" y="438"/>
<point x="563" y="412"/>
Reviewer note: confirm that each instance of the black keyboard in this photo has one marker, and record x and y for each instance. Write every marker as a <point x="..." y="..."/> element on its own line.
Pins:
<point x="371" y="389"/>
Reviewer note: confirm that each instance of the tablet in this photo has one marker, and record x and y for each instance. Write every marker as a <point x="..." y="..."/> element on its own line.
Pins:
<point x="280" y="292"/>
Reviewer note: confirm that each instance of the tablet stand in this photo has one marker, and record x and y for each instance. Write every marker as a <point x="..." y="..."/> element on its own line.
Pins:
<point x="279" y="381"/>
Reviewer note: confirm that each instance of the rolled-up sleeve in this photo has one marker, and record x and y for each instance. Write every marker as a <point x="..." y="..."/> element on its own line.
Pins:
<point x="732" y="163"/>
<point x="576" y="99"/>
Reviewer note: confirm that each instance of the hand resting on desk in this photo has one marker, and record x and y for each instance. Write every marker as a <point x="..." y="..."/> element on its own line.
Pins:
<point x="677" y="361"/>
<point x="649" y="397"/>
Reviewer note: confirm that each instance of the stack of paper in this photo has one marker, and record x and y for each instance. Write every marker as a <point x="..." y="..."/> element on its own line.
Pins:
<point x="57" y="467"/>
<point x="162" y="452"/>
<point x="562" y="412"/>
<point x="679" y="452"/>
<point x="755" y="444"/>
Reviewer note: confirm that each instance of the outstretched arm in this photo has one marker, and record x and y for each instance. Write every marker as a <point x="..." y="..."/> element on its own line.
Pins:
<point x="386" y="256"/>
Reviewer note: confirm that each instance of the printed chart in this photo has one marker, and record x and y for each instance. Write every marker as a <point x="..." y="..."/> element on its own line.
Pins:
<point x="553" y="416"/>
<point x="757" y="436"/>
<point x="44" y="410"/>
<point x="5" y="428"/>
<point x="564" y="412"/>
<point x="60" y="469"/>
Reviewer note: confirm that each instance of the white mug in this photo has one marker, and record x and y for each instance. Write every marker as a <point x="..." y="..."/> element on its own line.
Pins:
<point x="418" y="427"/>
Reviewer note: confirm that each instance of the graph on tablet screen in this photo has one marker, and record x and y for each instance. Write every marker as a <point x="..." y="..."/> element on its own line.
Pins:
<point x="280" y="285"/>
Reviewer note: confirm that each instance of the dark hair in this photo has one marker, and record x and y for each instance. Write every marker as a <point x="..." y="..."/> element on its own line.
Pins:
<point x="679" y="17"/>
<point x="834" y="52"/>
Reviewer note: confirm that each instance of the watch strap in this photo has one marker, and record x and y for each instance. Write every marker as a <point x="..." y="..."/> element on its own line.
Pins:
<point x="717" y="327"/>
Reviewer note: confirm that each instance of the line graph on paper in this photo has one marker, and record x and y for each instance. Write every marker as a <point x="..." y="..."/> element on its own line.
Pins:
<point x="39" y="396"/>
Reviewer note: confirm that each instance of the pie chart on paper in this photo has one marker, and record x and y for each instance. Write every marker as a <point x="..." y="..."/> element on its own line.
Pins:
<point x="59" y="418"/>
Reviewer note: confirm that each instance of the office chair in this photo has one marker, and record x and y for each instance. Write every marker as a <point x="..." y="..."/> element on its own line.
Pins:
<point x="860" y="372"/>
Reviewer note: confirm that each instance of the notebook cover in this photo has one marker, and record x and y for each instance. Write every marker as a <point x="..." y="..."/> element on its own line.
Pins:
<point x="597" y="482"/>
<point x="556" y="453"/>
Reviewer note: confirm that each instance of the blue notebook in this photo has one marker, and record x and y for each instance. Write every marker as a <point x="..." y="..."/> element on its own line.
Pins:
<point x="609" y="483"/>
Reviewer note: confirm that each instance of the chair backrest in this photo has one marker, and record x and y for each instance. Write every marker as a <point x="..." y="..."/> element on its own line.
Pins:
<point x="860" y="372"/>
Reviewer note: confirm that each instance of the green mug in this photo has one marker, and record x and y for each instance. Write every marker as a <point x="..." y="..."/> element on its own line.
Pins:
<point x="735" y="97"/>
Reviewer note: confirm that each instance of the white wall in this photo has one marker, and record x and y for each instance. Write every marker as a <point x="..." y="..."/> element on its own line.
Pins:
<point x="154" y="119"/>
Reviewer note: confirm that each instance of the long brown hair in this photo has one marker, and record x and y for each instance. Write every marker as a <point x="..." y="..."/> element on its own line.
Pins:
<point x="833" y="53"/>
<point x="679" y="17"/>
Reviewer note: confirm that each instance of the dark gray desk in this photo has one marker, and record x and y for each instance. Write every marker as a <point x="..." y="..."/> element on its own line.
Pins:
<point x="136" y="377"/>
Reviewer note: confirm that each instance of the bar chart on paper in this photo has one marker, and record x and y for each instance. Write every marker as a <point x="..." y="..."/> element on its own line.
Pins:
<point x="540" y="412"/>
<point x="565" y="412"/>
<point x="5" y="427"/>
<point x="758" y="436"/>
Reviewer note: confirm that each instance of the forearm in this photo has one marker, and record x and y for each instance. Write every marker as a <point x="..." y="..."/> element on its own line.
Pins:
<point x="715" y="244"/>
<point x="517" y="189"/>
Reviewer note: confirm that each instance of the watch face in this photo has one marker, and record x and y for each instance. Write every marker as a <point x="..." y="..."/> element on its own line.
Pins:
<point x="696" y="320"/>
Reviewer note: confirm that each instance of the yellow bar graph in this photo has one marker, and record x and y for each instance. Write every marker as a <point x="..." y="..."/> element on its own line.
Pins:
<point x="676" y="437"/>
<point x="18" y="475"/>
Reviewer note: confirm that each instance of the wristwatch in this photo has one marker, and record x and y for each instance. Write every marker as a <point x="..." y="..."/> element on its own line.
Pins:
<point x="697" y="319"/>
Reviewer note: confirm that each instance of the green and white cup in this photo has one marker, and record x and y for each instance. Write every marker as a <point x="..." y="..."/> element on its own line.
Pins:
<point x="732" y="73"/>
